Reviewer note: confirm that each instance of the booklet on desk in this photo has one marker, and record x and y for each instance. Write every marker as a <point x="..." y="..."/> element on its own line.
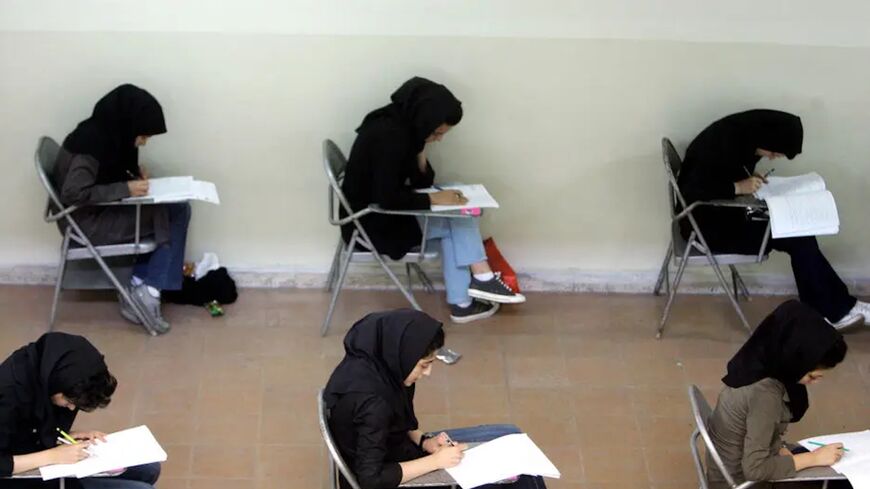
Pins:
<point x="477" y="195"/>
<point x="178" y="189"/>
<point x="505" y="457"/>
<point x="800" y="206"/>
<point x="855" y="464"/>
<point x="127" y="448"/>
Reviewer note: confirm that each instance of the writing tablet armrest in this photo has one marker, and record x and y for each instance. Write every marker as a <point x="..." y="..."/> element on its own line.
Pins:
<point x="421" y="213"/>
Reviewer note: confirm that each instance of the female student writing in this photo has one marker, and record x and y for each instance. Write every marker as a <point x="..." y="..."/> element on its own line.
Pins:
<point x="43" y="386"/>
<point x="387" y="163"/>
<point x="371" y="400"/>
<point x="765" y="390"/>
<point x="720" y="164"/>
<point x="101" y="164"/>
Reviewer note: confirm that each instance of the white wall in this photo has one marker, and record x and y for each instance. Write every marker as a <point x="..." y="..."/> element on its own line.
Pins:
<point x="564" y="129"/>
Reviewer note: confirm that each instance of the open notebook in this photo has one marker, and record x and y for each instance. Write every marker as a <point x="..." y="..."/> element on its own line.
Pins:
<point x="505" y="457"/>
<point x="855" y="464"/>
<point x="800" y="206"/>
<point x="127" y="448"/>
<point x="477" y="195"/>
<point x="178" y="189"/>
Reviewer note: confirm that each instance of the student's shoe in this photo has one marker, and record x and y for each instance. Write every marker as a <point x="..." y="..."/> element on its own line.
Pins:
<point x="848" y="321"/>
<point x="494" y="290"/>
<point x="862" y="308"/>
<point x="127" y="311"/>
<point x="151" y="306"/>
<point x="476" y="310"/>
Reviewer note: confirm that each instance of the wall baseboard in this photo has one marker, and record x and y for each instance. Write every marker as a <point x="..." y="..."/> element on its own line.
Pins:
<point x="369" y="276"/>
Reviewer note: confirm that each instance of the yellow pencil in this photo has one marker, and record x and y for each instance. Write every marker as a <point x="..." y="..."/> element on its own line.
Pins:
<point x="65" y="435"/>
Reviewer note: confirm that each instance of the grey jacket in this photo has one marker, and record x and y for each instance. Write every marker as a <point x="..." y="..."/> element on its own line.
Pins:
<point x="75" y="177"/>
<point x="747" y="428"/>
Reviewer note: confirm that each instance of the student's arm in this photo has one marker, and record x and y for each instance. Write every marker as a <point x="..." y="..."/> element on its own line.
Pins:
<point x="80" y="185"/>
<point x="389" y="191"/>
<point x="709" y="178"/>
<point x="759" y="462"/>
<point x="425" y="177"/>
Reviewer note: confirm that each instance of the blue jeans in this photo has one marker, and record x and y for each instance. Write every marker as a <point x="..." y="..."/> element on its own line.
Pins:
<point x="461" y="246"/>
<point x="162" y="269"/>
<point x="489" y="432"/>
<point x="139" y="477"/>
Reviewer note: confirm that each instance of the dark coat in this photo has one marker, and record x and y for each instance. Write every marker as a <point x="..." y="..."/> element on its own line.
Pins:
<point x="724" y="153"/>
<point x="382" y="167"/>
<point x="28" y="379"/>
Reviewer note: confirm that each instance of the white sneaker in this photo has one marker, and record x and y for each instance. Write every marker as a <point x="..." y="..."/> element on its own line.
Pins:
<point x="862" y="308"/>
<point x="848" y="321"/>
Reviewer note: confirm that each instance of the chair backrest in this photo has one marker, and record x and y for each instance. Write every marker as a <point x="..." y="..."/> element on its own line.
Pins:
<point x="673" y="165"/>
<point x="47" y="151"/>
<point x="701" y="412"/>
<point x="334" y="455"/>
<point x="334" y="164"/>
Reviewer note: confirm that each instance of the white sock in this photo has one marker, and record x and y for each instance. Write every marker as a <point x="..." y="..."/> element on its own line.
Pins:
<point x="464" y="304"/>
<point x="136" y="281"/>
<point x="154" y="292"/>
<point x="484" y="277"/>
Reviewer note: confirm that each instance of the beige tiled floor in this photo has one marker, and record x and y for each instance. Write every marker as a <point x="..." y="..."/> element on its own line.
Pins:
<point x="233" y="399"/>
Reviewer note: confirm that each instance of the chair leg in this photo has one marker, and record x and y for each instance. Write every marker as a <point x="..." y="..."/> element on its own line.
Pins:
<point x="61" y="270"/>
<point x="715" y="265"/>
<point x="408" y="275"/>
<point x="663" y="272"/>
<point x="336" y="262"/>
<point x="740" y="283"/>
<point x="342" y="274"/>
<point x="673" y="288"/>
<point x="424" y="278"/>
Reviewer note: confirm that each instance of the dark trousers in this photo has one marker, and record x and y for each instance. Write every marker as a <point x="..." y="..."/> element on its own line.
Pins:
<point x="162" y="269"/>
<point x="818" y="284"/>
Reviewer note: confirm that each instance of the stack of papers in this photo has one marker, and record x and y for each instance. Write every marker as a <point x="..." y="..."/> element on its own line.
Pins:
<point x="855" y="464"/>
<point x="800" y="206"/>
<point x="178" y="189"/>
<point x="477" y="195"/>
<point x="500" y="459"/>
<point x="128" y="448"/>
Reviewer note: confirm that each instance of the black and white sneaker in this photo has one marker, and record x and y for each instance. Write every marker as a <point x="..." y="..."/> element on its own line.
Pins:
<point x="476" y="310"/>
<point x="494" y="290"/>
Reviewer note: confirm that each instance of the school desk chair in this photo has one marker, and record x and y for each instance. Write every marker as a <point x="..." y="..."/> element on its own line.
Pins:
<point x="361" y="249"/>
<point x="338" y="468"/>
<point x="694" y="251"/>
<point x="701" y="412"/>
<point x="83" y="265"/>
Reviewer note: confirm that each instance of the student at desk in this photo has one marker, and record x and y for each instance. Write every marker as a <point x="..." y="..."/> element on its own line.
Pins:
<point x="765" y="390"/>
<point x="101" y="164"/>
<point x="720" y="164"/>
<point x="43" y="386"/>
<point x="370" y="395"/>
<point x="387" y="163"/>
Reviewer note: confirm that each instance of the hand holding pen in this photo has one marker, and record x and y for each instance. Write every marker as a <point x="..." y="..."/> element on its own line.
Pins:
<point x="70" y="450"/>
<point x="138" y="186"/>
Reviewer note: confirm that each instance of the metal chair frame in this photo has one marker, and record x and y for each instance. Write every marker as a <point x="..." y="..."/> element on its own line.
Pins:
<point x="47" y="151"/>
<point x="694" y="251"/>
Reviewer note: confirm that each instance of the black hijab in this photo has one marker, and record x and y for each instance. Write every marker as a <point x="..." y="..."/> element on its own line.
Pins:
<point x="53" y="364"/>
<point x="787" y="345"/>
<point x="772" y="130"/>
<point x="421" y="105"/>
<point x="110" y="133"/>
<point x="381" y="350"/>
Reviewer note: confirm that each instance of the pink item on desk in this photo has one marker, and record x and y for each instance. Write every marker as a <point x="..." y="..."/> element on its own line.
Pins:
<point x="474" y="211"/>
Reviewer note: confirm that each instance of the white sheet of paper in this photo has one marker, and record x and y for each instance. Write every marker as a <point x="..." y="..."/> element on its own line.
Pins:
<point x="776" y="186"/>
<point x="477" y="195"/>
<point x="127" y="448"/>
<point x="806" y="214"/>
<point x="178" y="189"/>
<point x="855" y="464"/>
<point x="505" y="457"/>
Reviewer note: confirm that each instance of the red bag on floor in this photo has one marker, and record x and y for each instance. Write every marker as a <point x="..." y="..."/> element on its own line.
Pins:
<point x="499" y="264"/>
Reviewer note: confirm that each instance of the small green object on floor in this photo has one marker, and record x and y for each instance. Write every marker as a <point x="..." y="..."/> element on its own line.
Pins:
<point x="214" y="309"/>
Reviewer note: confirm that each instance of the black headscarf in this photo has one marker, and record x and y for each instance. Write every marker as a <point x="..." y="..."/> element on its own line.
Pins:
<point x="787" y="345"/>
<point x="422" y="105"/>
<point x="772" y="130"/>
<point x="381" y="350"/>
<point x="110" y="133"/>
<point x="53" y="364"/>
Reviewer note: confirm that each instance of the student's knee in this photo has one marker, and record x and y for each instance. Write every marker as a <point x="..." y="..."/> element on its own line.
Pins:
<point x="180" y="212"/>
<point x="147" y="474"/>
